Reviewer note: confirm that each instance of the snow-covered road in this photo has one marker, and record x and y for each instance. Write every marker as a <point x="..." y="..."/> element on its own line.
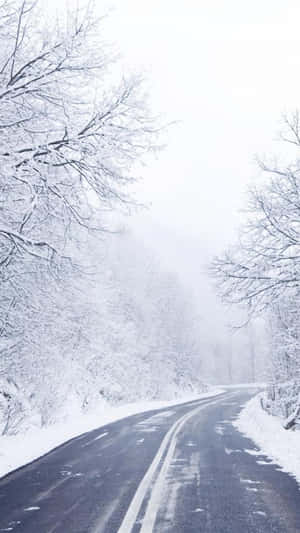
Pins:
<point x="181" y="469"/>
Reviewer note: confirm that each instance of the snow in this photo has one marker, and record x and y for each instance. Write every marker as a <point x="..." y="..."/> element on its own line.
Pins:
<point x="280" y="445"/>
<point x="254" y="384"/>
<point x="23" y="448"/>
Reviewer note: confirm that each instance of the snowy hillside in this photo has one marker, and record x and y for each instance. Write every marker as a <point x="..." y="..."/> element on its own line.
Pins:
<point x="124" y="333"/>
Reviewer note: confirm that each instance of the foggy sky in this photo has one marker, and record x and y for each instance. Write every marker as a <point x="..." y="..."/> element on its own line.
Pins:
<point x="226" y="71"/>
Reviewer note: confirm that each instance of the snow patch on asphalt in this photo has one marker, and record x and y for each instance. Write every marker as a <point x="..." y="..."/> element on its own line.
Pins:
<point x="101" y="436"/>
<point x="252" y="452"/>
<point x="229" y="451"/>
<point x="93" y="440"/>
<point x="159" y="418"/>
<point x="19" y="450"/>
<point x="275" y="442"/>
<point x="243" y="480"/>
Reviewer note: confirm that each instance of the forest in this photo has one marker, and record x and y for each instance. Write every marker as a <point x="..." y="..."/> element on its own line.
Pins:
<point x="260" y="273"/>
<point x="87" y="315"/>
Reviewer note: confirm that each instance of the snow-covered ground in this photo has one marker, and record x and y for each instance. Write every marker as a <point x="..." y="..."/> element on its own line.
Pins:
<point x="280" y="445"/>
<point x="18" y="450"/>
<point x="254" y="385"/>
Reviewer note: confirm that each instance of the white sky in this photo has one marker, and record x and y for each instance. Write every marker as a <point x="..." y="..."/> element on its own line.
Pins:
<point x="227" y="70"/>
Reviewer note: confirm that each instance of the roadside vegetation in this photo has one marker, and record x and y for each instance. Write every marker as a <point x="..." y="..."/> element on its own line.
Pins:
<point x="261" y="273"/>
<point x="74" y="327"/>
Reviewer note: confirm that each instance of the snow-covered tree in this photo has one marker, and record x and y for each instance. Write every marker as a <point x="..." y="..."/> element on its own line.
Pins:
<point x="68" y="139"/>
<point x="84" y="317"/>
<point x="262" y="272"/>
<point x="70" y="136"/>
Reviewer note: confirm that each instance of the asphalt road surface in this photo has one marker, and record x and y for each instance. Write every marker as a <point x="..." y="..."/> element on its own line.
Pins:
<point x="182" y="469"/>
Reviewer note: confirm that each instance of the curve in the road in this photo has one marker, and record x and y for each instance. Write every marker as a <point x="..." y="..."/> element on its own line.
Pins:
<point x="162" y="459"/>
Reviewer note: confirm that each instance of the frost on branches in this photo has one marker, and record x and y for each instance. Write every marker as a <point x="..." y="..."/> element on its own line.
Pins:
<point x="70" y="137"/>
<point x="263" y="270"/>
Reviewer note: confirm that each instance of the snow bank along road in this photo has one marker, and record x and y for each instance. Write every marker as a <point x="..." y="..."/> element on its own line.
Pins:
<point x="182" y="469"/>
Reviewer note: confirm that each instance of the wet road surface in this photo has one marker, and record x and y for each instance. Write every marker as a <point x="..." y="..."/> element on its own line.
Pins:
<point x="183" y="469"/>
